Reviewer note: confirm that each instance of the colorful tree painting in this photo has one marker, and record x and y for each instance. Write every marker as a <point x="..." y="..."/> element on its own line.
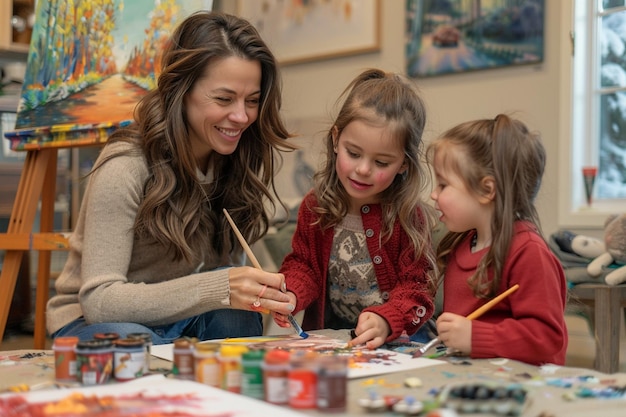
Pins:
<point x="90" y="61"/>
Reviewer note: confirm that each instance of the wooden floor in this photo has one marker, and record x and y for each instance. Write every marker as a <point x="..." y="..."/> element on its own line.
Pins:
<point x="580" y="352"/>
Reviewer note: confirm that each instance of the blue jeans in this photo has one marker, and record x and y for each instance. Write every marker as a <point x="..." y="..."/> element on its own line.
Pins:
<point x="217" y="324"/>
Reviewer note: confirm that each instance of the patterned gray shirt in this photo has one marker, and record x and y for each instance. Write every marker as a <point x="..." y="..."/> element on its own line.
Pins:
<point x="352" y="284"/>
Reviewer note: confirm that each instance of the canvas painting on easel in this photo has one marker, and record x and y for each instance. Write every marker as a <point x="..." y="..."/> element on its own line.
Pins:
<point x="90" y="61"/>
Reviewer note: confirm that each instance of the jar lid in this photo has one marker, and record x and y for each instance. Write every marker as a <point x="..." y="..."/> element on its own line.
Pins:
<point x="94" y="344"/>
<point x="143" y="336"/>
<point x="256" y="354"/>
<point x="233" y="350"/>
<point x="182" y="344"/>
<point x="129" y="343"/>
<point x="207" y="347"/>
<point x="65" y="341"/>
<point x="106" y="336"/>
<point x="277" y="356"/>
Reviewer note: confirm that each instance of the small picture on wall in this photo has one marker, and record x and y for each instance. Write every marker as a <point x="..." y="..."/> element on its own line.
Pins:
<point x="304" y="31"/>
<point x="454" y="36"/>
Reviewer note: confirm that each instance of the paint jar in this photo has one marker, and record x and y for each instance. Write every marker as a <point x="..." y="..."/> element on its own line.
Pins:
<point x="65" y="358"/>
<point x="230" y="367"/>
<point x="147" y="343"/>
<point x="94" y="361"/>
<point x="275" y="372"/>
<point x="302" y="379"/>
<point x="332" y="383"/>
<point x="183" y="359"/>
<point x="206" y="365"/>
<point x="129" y="359"/>
<point x="252" y="374"/>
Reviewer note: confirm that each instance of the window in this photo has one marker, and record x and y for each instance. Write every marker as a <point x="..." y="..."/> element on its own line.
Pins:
<point x="598" y="114"/>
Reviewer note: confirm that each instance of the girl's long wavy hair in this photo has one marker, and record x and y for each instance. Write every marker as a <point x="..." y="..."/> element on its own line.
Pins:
<point x="504" y="149"/>
<point x="387" y="99"/>
<point x="177" y="211"/>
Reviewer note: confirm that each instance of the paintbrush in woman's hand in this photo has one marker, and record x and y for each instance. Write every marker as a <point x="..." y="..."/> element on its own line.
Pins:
<point x="294" y="323"/>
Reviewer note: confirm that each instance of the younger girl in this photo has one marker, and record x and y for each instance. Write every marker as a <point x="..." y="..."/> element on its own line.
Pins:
<point x="361" y="254"/>
<point x="488" y="173"/>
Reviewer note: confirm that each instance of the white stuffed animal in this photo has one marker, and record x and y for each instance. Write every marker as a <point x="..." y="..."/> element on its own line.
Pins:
<point x="615" y="244"/>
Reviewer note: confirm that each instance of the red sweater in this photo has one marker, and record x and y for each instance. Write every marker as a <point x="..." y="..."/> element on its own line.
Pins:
<point x="529" y="325"/>
<point x="401" y="277"/>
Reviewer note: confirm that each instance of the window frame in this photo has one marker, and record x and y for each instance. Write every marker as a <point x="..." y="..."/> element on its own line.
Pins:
<point x="579" y="111"/>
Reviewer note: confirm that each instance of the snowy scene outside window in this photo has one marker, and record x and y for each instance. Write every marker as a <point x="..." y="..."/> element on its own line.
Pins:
<point x="611" y="96"/>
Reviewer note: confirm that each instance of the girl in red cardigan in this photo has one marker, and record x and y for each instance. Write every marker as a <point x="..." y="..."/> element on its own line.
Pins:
<point x="361" y="254"/>
<point x="488" y="173"/>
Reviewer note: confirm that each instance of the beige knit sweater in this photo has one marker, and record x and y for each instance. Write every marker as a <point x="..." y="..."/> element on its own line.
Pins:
<point x="112" y="275"/>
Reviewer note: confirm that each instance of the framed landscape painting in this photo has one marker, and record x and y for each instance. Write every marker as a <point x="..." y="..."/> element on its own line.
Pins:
<point x="454" y="36"/>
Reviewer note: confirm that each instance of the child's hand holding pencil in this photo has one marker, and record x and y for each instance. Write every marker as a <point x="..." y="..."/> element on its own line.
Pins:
<point x="457" y="330"/>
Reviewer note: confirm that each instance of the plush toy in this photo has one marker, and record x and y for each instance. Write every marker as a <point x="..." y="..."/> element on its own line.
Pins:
<point x="615" y="244"/>
<point x="580" y="245"/>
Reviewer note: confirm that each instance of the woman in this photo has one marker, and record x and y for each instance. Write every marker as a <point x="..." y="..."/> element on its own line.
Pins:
<point x="152" y="251"/>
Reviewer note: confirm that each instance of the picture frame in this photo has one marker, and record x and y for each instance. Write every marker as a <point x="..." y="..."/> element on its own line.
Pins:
<point x="298" y="32"/>
<point x="459" y="36"/>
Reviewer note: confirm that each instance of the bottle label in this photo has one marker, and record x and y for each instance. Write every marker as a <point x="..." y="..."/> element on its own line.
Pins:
<point x="276" y="390"/>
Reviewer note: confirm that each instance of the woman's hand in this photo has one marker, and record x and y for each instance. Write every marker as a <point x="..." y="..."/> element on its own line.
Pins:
<point x="257" y="290"/>
<point x="281" y="319"/>
<point x="371" y="329"/>
<point x="455" y="332"/>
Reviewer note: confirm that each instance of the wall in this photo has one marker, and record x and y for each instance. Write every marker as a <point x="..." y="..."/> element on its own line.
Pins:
<point x="531" y="92"/>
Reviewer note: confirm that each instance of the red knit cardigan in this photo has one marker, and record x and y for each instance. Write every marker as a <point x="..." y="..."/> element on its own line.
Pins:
<point x="402" y="279"/>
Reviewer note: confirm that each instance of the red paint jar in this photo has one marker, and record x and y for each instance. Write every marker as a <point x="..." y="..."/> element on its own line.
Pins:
<point x="275" y="372"/>
<point x="65" y="358"/>
<point x="302" y="378"/>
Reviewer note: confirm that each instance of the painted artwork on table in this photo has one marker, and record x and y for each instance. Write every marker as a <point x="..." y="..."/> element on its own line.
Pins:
<point x="362" y="362"/>
<point x="454" y="36"/>
<point x="152" y="396"/>
<point x="90" y="61"/>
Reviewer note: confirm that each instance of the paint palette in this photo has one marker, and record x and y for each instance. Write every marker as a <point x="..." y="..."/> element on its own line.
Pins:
<point x="484" y="398"/>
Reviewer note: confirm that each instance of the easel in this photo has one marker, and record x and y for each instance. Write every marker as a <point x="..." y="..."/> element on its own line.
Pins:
<point x="37" y="183"/>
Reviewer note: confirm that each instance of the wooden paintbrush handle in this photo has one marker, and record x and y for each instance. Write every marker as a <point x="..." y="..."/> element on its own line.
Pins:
<point x="242" y="241"/>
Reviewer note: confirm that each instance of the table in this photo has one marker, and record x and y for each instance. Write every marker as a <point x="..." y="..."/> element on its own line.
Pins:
<point x="608" y="304"/>
<point x="546" y="386"/>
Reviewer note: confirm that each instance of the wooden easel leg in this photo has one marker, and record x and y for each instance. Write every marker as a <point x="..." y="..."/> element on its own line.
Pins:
<point x="21" y="221"/>
<point x="46" y="223"/>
